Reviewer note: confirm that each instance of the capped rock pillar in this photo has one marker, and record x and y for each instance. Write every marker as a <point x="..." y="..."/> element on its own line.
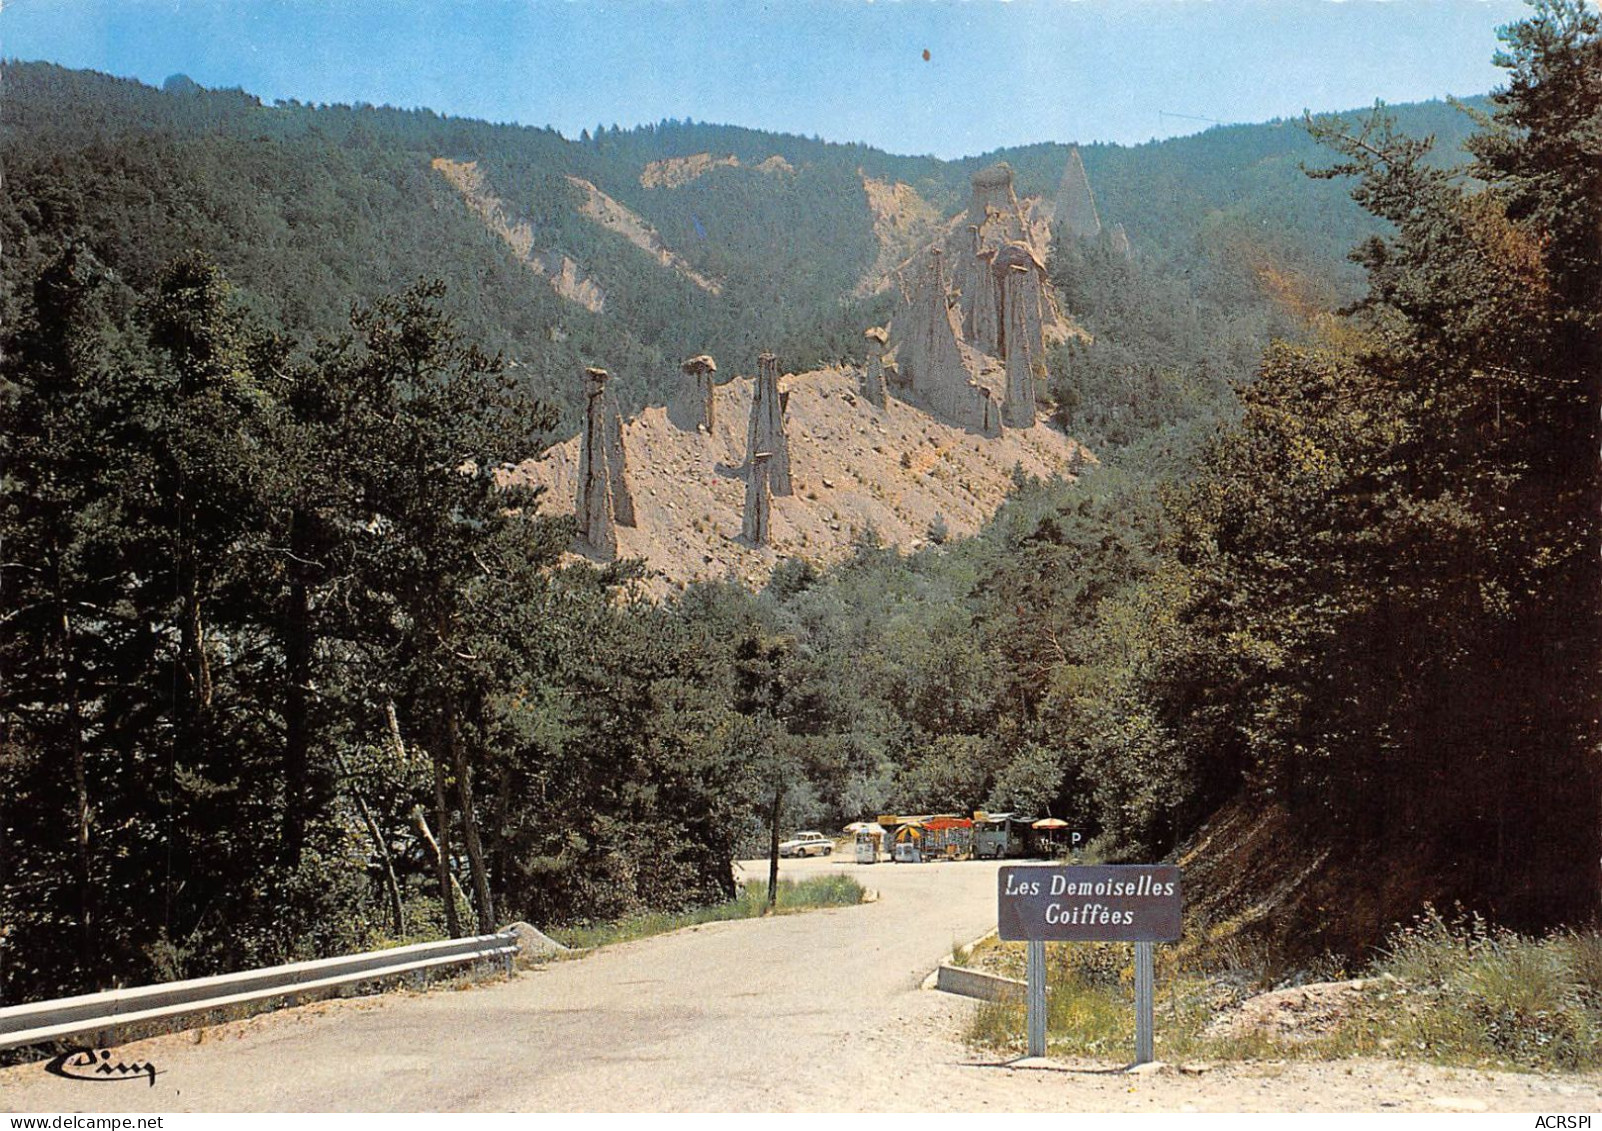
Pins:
<point x="1018" y="407"/>
<point x="604" y="500"/>
<point x="757" y="527"/>
<point x="981" y="306"/>
<point x="766" y="433"/>
<point x="873" y="382"/>
<point x="699" y="371"/>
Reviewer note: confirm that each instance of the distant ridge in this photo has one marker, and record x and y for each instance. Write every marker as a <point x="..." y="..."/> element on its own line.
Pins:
<point x="630" y="250"/>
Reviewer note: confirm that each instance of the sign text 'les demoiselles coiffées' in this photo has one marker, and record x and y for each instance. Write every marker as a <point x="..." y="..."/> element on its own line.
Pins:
<point x="1089" y="903"/>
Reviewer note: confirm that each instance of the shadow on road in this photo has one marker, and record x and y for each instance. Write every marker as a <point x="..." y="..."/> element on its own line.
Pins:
<point x="1035" y="1064"/>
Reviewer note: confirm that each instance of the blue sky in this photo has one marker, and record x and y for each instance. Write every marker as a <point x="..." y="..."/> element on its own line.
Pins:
<point x="998" y="73"/>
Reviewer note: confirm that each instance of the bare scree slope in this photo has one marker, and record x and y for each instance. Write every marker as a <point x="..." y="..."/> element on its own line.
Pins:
<point x="919" y="441"/>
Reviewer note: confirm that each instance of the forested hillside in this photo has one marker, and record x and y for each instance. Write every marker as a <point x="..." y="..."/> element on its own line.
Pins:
<point x="288" y="668"/>
<point x="309" y="208"/>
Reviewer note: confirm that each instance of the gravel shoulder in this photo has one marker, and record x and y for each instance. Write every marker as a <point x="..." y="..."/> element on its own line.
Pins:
<point x="821" y="1011"/>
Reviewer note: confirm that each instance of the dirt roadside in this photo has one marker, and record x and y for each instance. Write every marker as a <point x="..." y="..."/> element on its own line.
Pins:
<point x="813" y="1012"/>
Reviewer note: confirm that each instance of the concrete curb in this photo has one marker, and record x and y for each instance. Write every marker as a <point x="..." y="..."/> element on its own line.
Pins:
<point x="978" y="984"/>
<point x="933" y="980"/>
<point x="953" y="979"/>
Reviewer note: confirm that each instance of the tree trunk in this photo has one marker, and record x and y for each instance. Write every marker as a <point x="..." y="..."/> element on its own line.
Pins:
<point x="400" y="757"/>
<point x="297" y="695"/>
<point x="80" y="785"/>
<point x="773" y="848"/>
<point x="392" y="885"/>
<point x="395" y="738"/>
<point x="464" y="801"/>
<point x="197" y="667"/>
<point x="420" y="819"/>
<point x="499" y="855"/>
<point x="442" y="815"/>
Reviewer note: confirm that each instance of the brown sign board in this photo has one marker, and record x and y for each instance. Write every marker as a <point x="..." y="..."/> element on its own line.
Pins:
<point x="1088" y="903"/>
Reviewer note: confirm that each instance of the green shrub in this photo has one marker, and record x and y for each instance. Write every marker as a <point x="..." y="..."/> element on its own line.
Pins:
<point x="1449" y="990"/>
<point x="750" y="903"/>
<point x="1485" y="994"/>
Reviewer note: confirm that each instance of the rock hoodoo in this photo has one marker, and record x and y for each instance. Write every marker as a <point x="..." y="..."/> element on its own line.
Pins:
<point x="1018" y="409"/>
<point x="1021" y="280"/>
<point x="1120" y="242"/>
<point x="994" y="204"/>
<point x="766" y="431"/>
<point x="757" y="525"/>
<point x="995" y="219"/>
<point x="603" y="499"/>
<point x="1076" y="204"/>
<point x="967" y="344"/>
<point x="973" y="348"/>
<point x="699" y="372"/>
<point x="933" y="362"/>
<point x="873" y="381"/>
<point x="983" y="320"/>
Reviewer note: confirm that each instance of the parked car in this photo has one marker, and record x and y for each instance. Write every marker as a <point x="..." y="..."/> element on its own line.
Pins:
<point x="807" y="844"/>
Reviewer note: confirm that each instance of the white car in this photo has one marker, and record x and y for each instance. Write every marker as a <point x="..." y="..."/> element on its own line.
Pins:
<point x="807" y="844"/>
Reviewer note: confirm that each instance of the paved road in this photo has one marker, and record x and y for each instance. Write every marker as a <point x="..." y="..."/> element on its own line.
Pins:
<point x="797" y="1011"/>
<point x="812" y="1012"/>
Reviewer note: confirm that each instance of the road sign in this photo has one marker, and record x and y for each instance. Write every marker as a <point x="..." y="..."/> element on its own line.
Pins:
<point x="1089" y="903"/>
<point x="1138" y="903"/>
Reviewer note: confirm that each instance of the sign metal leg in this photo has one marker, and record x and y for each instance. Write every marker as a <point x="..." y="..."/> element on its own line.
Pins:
<point x="1123" y="903"/>
<point x="1036" y="974"/>
<point x="1144" y="986"/>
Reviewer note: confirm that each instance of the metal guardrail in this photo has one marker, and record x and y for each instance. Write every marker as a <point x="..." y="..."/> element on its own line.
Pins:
<point x="88" y="1013"/>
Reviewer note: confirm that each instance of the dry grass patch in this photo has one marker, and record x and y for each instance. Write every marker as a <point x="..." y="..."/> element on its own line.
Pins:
<point x="1453" y="992"/>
